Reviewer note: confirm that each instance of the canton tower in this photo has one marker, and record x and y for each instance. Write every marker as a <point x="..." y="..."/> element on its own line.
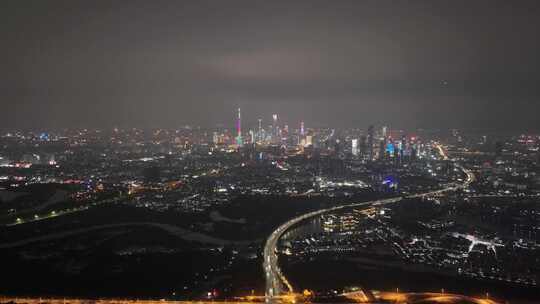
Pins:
<point x="239" y="140"/>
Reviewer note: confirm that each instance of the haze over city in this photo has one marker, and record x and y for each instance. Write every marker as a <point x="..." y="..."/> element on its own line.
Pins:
<point x="419" y="64"/>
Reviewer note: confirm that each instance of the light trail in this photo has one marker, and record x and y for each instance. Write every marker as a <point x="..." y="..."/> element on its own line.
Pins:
<point x="45" y="216"/>
<point x="431" y="297"/>
<point x="357" y="297"/>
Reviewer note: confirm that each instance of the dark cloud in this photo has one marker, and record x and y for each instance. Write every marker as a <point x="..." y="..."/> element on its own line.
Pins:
<point x="347" y="63"/>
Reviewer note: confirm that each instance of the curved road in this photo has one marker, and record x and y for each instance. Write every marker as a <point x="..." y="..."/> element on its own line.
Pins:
<point x="276" y="281"/>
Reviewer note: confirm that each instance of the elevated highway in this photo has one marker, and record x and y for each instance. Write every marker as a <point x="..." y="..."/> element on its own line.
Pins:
<point x="277" y="283"/>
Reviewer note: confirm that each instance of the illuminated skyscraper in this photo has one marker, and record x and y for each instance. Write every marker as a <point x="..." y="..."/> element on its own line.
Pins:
<point x="239" y="140"/>
<point x="309" y="140"/>
<point x="251" y="137"/>
<point x="260" y="134"/>
<point x="302" y="128"/>
<point x="354" y="147"/>
<point x="215" y="138"/>
<point x="275" y="131"/>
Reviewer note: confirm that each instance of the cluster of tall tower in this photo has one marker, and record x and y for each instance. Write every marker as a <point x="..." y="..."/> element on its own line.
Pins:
<point x="274" y="134"/>
<point x="385" y="145"/>
<point x="374" y="144"/>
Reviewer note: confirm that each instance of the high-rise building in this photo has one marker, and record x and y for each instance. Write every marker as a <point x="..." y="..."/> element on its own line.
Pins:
<point x="402" y="147"/>
<point x="239" y="140"/>
<point x="337" y="148"/>
<point x="251" y="137"/>
<point x="215" y="138"/>
<point x="260" y="135"/>
<point x="382" y="149"/>
<point x="371" y="134"/>
<point x="275" y="131"/>
<point x="309" y="140"/>
<point x="390" y="149"/>
<point x="363" y="146"/>
<point x="354" y="147"/>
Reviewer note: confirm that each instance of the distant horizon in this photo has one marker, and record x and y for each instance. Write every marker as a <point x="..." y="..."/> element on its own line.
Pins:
<point x="253" y="126"/>
<point x="456" y="64"/>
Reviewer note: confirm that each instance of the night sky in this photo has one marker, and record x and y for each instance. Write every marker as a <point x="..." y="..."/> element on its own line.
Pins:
<point x="407" y="64"/>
